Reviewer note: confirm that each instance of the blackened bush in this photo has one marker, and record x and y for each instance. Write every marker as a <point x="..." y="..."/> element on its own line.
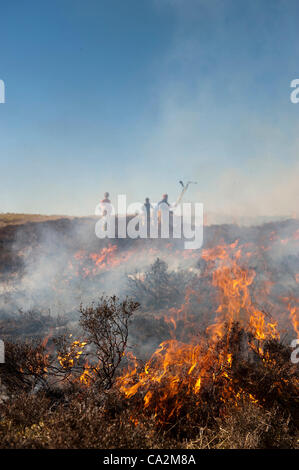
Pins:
<point x="158" y="287"/>
<point x="26" y="366"/>
<point x="106" y="327"/>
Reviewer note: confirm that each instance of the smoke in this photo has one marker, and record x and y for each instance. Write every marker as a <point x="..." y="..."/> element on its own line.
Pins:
<point x="216" y="121"/>
<point x="263" y="190"/>
<point x="62" y="264"/>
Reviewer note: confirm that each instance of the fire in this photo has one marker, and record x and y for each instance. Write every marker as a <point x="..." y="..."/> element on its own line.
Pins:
<point x="233" y="282"/>
<point x="178" y="366"/>
<point x="86" y="378"/>
<point x="174" y="366"/>
<point x="294" y="317"/>
<point x="74" y="352"/>
<point x="191" y="361"/>
<point x="87" y="264"/>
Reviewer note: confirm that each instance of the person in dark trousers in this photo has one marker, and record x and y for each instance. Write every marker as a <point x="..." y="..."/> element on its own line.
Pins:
<point x="163" y="211"/>
<point x="163" y="207"/>
<point x="147" y="213"/>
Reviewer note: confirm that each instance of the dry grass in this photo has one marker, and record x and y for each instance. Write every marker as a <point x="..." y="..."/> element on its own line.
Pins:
<point x="40" y="414"/>
<point x="19" y="219"/>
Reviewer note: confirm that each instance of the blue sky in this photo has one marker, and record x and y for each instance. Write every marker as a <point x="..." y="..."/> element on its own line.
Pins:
<point x="130" y="96"/>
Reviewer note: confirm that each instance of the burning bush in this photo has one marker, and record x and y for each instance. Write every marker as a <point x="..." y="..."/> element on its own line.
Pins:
<point x="246" y="402"/>
<point x="26" y="366"/>
<point x="29" y="366"/>
<point x="106" y="326"/>
<point x="220" y="375"/>
<point x="187" y="387"/>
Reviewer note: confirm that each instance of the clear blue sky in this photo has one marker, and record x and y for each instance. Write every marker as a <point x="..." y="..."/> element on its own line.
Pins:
<point x="130" y="96"/>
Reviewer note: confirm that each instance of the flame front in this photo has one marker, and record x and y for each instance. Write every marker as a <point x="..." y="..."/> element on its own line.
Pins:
<point x="178" y="367"/>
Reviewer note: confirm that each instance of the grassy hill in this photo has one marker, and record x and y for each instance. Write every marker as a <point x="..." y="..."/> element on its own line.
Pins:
<point x="9" y="218"/>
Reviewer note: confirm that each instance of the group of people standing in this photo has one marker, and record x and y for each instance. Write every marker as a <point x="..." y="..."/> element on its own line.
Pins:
<point x="163" y="207"/>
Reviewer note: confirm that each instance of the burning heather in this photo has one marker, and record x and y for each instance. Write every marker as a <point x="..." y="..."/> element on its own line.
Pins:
<point x="140" y="343"/>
